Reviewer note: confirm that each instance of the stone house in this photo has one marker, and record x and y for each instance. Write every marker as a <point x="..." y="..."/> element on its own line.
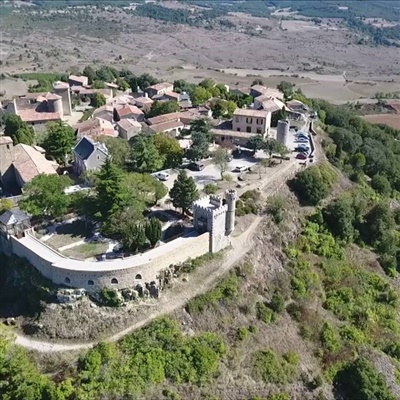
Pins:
<point x="159" y="89"/>
<point x="129" y="111"/>
<point x="127" y="128"/>
<point x="252" y="121"/>
<point x="89" y="155"/>
<point x="74" y="80"/>
<point x="104" y="112"/>
<point x="14" y="222"/>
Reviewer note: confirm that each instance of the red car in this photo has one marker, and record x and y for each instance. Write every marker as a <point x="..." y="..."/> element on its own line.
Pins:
<point x="302" y="156"/>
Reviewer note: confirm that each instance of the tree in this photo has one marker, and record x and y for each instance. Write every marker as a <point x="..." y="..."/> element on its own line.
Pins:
<point x="5" y="205"/>
<point x="199" y="95"/>
<point x="44" y="196"/>
<point x="286" y="88"/>
<point x="184" y="192"/>
<point x="207" y="83"/>
<point x="90" y="73"/>
<point x="98" y="100"/>
<point x="134" y="236"/>
<point x="168" y="148"/>
<point x="111" y="196"/>
<point x="153" y="231"/>
<point x="163" y="107"/>
<point x="358" y="161"/>
<point x="231" y="106"/>
<point x="59" y="141"/>
<point x="220" y="159"/>
<point x="144" y="154"/>
<point x="381" y="184"/>
<point x="218" y="108"/>
<point x="257" y="81"/>
<point x="199" y="148"/>
<point x="282" y="150"/>
<point x="360" y="380"/>
<point x="19" y="131"/>
<point x="117" y="148"/>
<point x="228" y="178"/>
<point x="255" y="143"/>
<point x="322" y="116"/>
<point x="340" y="216"/>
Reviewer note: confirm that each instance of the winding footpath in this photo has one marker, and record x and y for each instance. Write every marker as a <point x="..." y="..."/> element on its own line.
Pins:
<point x="196" y="286"/>
<point x="241" y="245"/>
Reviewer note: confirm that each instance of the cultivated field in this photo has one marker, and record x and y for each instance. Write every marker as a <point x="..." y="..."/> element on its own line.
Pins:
<point x="313" y="56"/>
<point x="392" y="120"/>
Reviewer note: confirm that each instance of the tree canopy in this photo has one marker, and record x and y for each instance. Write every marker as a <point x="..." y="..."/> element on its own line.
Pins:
<point x="44" y="196"/>
<point x="184" y="192"/>
<point x="59" y="141"/>
<point x="19" y="131"/>
<point x="144" y="155"/>
<point x="169" y="149"/>
<point x="163" y="107"/>
<point x="98" y="100"/>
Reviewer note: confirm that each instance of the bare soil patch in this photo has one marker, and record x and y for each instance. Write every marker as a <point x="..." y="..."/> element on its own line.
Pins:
<point x="392" y="120"/>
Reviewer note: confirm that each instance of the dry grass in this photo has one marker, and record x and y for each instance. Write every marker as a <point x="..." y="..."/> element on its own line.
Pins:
<point x="392" y="120"/>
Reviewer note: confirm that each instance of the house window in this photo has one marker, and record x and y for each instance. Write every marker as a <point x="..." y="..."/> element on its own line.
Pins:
<point x="238" y="129"/>
<point x="138" y="276"/>
<point x="249" y="120"/>
<point x="259" y="121"/>
<point x="90" y="282"/>
<point x="98" y="156"/>
<point x="259" y="130"/>
<point x="237" y="119"/>
<point x="67" y="280"/>
<point x="248" y="129"/>
<point x="8" y="147"/>
<point x="114" y="281"/>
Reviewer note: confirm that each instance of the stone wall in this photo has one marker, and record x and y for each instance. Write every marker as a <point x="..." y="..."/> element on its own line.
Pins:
<point x="100" y="277"/>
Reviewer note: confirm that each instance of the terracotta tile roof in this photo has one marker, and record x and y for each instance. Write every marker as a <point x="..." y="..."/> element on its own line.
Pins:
<point x="82" y="79"/>
<point x="161" y="86"/>
<point x="165" y="126"/>
<point x="172" y="94"/>
<point x="247" y="112"/>
<point x="34" y="116"/>
<point x="129" y="110"/>
<point x="270" y="105"/>
<point x="144" y="100"/>
<point x="60" y="85"/>
<point x="128" y="124"/>
<point x="164" y="118"/>
<point x="235" y="134"/>
<point x="95" y="127"/>
<point x="30" y="163"/>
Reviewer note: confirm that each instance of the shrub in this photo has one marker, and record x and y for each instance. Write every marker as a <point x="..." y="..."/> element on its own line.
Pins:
<point x="329" y="337"/>
<point x="110" y="297"/>
<point x="277" y="302"/>
<point x="211" y="188"/>
<point x="264" y="313"/>
<point x="241" y="333"/>
<point x="351" y="334"/>
<point x="276" y="207"/>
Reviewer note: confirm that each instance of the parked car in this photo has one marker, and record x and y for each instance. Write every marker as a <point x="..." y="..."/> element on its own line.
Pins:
<point x="162" y="176"/>
<point x="241" y="168"/>
<point x="196" y="166"/>
<point x="302" y="149"/>
<point x="302" y="136"/>
<point x="302" y="156"/>
<point x="301" y="140"/>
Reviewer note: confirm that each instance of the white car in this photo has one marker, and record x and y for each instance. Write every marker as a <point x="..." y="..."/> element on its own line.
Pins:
<point x="162" y="176"/>
<point x="241" y="168"/>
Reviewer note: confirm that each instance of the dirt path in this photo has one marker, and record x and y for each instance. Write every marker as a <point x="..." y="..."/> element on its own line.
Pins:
<point x="241" y="245"/>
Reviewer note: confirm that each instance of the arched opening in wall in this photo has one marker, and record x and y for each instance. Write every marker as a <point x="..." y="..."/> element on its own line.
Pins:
<point x="67" y="280"/>
<point x="138" y="276"/>
<point x="114" y="281"/>
<point x="90" y="282"/>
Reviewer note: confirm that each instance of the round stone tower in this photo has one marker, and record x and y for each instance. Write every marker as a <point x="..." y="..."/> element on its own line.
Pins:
<point x="231" y="197"/>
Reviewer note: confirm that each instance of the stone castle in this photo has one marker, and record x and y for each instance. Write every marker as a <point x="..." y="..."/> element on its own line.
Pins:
<point x="213" y="224"/>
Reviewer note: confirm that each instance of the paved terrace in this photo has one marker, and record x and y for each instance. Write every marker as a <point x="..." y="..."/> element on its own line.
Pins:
<point x="60" y="261"/>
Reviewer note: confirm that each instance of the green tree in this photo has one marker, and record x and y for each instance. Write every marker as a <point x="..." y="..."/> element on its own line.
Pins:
<point x="339" y="216"/>
<point x="381" y="185"/>
<point x="358" y="161"/>
<point x="5" y="205"/>
<point x="360" y="380"/>
<point x="134" y="237"/>
<point x="220" y="159"/>
<point x="199" y="148"/>
<point x="44" y="196"/>
<point x="144" y="155"/>
<point x="163" y="107"/>
<point x="255" y="143"/>
<point x="19" y="131"/>
<point x="99" y="85"/>
<point x="184" y="192"/>
<point x="90" y="73"/>
<point x="218" y="108"/>
<point x="111" y="195"/>
<point x="207" y="84"/>
<point x="169" y="149"/>
<point x="98" y="100"/>
<point x="231" y="106"/>
<point x="59" y="141"/>
<point x="322" y="116"/>
<point x="117" y="148"/>
<point x="311" y="186"/>
<point x="286" y="88"/>
<point x="153" y="230"/>
<point x="257" y="81"/>
<point x="199" y="95"/>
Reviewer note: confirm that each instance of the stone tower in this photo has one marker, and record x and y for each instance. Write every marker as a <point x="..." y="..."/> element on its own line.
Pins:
<point x="62" y="89"/>
<point x="6" y="159"/>
<point x="218" y="219"/>
<point x="231" y="197"/>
